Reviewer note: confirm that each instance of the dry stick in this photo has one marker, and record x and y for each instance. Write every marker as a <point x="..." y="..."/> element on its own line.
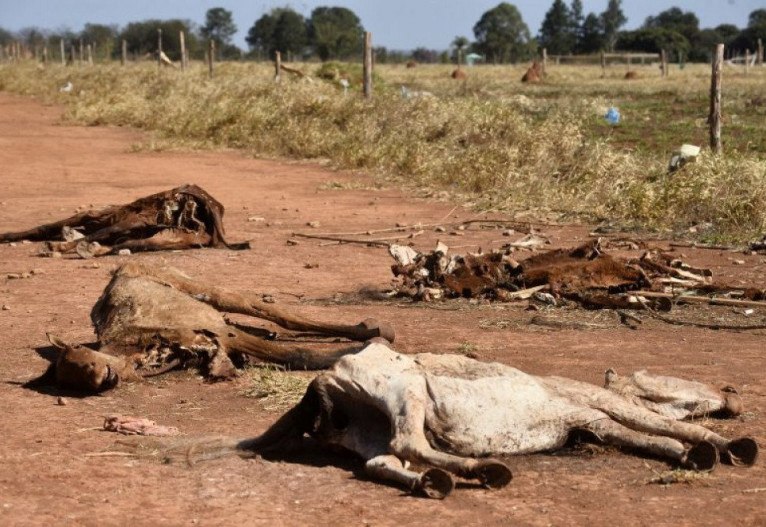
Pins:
<point x="377" y="242"/>
<point x="694" y="299"/>
<point x="694" y="245"/>
<point x="277" y="66"/>
<point x="210" y="54"/>
<point x="419" y="226"/>
<point x="715" y="101"/>
<point x="367" y="65"/>
<point x="675" y="322"/>
<point x="182" y="40"/>
<point x="124" y="54"/>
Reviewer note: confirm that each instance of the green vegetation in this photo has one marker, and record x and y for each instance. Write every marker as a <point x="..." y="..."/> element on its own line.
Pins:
<point x="492" y="141"/>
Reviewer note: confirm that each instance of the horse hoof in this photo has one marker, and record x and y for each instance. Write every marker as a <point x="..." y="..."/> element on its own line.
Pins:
<point x="435" y="483"/>
<point x="743" y="452"/>
<point x="494" y="474"/>
<point x="702" y="457"/>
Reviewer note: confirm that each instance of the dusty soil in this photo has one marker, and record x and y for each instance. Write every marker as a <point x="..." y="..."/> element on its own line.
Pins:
<point x="49" y="476"/>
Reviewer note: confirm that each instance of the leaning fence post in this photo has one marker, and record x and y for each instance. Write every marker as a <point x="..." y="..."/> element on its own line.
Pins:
<point x="210" y="55"/>
<point x="603" y="65"/>
<point x="182" y="40"/>
<point x="63" y="52"/>
<point x="715" y="100"/>
<point x="159" y="47"/>
<point x="277" y="66"/>
<point x="368" y="65"/>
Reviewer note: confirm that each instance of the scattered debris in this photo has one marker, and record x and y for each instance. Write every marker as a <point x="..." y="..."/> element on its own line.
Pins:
<point x="314" y="224"/>
<point x="293" y="242"/>
<point x="6" y="307"/>
<point x="61" y="401"/>
<point x="256" y="219"/>
<point x="685" y="154"/>
<point x="137" y="426"/>
<point x="124" y="252"/>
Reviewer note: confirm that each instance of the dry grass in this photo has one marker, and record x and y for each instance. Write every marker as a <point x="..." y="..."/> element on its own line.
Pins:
<point x="275" y="388"/>
<point x="488" y="140"/>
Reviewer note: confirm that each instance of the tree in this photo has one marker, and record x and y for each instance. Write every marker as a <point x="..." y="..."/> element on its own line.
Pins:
<point x="756" y="29"/>
<point x="141" y="38"/>
<point x="592" y="39"/>
<point x="459" y="44"/>
<point x="283" y="30"/>
<point x="101" y="36"/>
<point x="556" y="31"/>
<point x="219" y="26"/>
<point x="502" y="35"/>
<point x="425" y="55"/>
<point x="757" y="18"/>
<point x="653" y="40"/>
<point x="576" y="20"/>
<point x="335" y="32"/>
<point x="685" y="23"/>
<point x="611" y="21"/>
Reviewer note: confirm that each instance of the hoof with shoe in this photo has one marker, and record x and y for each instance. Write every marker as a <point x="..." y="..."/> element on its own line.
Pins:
<point x="743" y="452"/>
<point x="702" y="457"/>
<point x="435" y="483"/>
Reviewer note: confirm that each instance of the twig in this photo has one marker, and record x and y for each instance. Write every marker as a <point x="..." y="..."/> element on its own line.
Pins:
<point x="652" y="313"/>
<point x="693" y="299"/>
<point x="110" y="454"/>
<point x="450" y="213"/>
<point x="694" y="245"/>
<point x="378" y="242"/>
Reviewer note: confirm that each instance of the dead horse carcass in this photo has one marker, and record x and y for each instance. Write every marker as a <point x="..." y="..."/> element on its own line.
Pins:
<point x="452" y="414"/>
<point x="151" y="320"/>
<point x="182" y="218"/>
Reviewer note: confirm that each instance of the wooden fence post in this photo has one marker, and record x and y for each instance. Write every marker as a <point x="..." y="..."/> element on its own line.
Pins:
<point x="73" y="54"/>
<point x="159" y="48"/>
<point x="81" y="52"/>
<point x="603" y="65"/>
<point x="277" y="66"/>
<point x="759" y="59"/>
<point x="63" y="52"/>
<point x="747" y="61"/>
<point x="368" y="65"/>
<point x="45" y="55"/>
<point x="182" y="40"/>
<point x="210" y="55"/>
<point x="545" y="61"/>
<point x="663" y="63"/>
<point x="124" y="52"/>
<point x="90" y="55"/>
<point x="715" y="100"/>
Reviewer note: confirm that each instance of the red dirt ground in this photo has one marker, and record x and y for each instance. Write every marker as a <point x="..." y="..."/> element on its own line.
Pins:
<point x="49" y="169"/>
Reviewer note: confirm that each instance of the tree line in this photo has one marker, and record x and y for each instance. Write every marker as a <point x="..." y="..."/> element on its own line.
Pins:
<point x="500" y="35"/>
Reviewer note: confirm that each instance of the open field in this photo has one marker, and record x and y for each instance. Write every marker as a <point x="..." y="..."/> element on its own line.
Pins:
<point x="489" y="141"/>
<point x="49" y="473"/>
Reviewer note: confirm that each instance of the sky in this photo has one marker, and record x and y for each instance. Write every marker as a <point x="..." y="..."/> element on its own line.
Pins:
<point x="396" y="24"/>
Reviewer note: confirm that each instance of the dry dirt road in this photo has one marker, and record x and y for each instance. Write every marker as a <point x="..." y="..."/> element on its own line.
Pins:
<point x="47" y="476"/>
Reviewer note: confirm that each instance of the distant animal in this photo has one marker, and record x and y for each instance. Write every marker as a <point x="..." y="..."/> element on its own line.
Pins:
<point x="454" y="414"/>
<point x="459" y="74"/>
<point x="150" y="320"/>
<point x="66" y="88"/>
<point x="631" y="75"/>
<point x="534" y="74"/>
<point x="411" y="64"/>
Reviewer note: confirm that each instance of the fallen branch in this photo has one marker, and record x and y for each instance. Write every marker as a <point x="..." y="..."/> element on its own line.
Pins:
<point x="675" y="322"/>
<point x="694" y="245"/>
<point x="378" y="242"/>
<point x="420" y="226"/>
<point x="693" y="299"/>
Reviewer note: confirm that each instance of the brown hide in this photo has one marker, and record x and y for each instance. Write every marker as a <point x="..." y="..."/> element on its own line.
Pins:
<point x="459" y="74"/>
<point x="534" y="74"/>
<point x="151" y="320"/>
<point x="180" y="218"/>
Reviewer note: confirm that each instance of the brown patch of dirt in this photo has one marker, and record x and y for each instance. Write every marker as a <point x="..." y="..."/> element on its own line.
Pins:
<point x="49" y="169"/>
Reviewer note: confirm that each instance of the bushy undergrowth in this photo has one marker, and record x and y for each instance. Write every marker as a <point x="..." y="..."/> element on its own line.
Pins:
<point x="506" y="152"/>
